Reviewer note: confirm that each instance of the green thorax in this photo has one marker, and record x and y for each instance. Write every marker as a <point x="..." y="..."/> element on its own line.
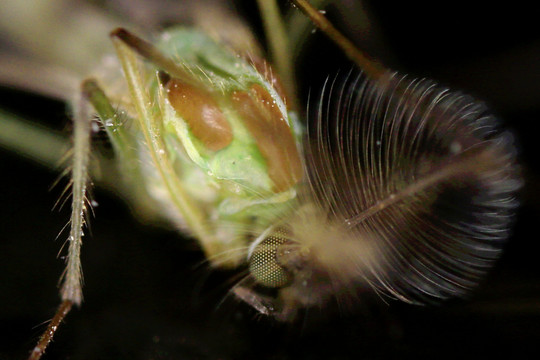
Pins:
<point x="233" y="142"/>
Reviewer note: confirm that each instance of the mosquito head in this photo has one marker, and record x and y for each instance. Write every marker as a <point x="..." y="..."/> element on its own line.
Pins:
<point x="298" y="264"/>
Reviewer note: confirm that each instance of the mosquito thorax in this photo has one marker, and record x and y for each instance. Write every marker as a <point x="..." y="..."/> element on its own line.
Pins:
<point x="231" y="119"/>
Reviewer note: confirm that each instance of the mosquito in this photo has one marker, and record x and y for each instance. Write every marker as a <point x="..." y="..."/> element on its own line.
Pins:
<point x="387" y="184"/>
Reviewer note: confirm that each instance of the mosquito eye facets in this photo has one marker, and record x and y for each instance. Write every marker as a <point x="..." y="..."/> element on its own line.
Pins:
<point x="264" y="265"/>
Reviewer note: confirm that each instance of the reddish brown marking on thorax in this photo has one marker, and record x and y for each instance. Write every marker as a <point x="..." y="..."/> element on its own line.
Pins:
<point x="202" y="113"/>
<point x="265" y="69"/>
<point x="273" y="136"/>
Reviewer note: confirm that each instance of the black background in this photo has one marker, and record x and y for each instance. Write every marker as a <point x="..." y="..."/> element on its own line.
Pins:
<point x="148" y="294"/>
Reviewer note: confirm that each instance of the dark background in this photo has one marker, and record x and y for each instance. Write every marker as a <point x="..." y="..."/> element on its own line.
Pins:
<point x="148" y="294"/>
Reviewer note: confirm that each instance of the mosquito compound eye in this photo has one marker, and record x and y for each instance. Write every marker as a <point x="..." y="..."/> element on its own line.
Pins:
<point x="264" y="265"/>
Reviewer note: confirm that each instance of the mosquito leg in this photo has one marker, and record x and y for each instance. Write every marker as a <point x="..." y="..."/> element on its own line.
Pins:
<point x="276" y="33"/>
<point x="127" y="45"/>
<point x="71" y="287"/>
<point x="48" y="335"/>
<point x="71" y="290"/>
<point x="32" y="141"/>
<point x="266" y="305"/>
<point x="112" y="120"/>
<point x="263" y="304"/>
<point x="371" y="67"/>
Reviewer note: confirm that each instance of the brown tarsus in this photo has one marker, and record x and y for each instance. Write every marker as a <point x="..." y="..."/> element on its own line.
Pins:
<point x="48" y="335"/>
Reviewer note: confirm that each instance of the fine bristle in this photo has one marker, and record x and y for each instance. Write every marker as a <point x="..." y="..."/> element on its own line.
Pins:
<point x="418" y="181"/>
